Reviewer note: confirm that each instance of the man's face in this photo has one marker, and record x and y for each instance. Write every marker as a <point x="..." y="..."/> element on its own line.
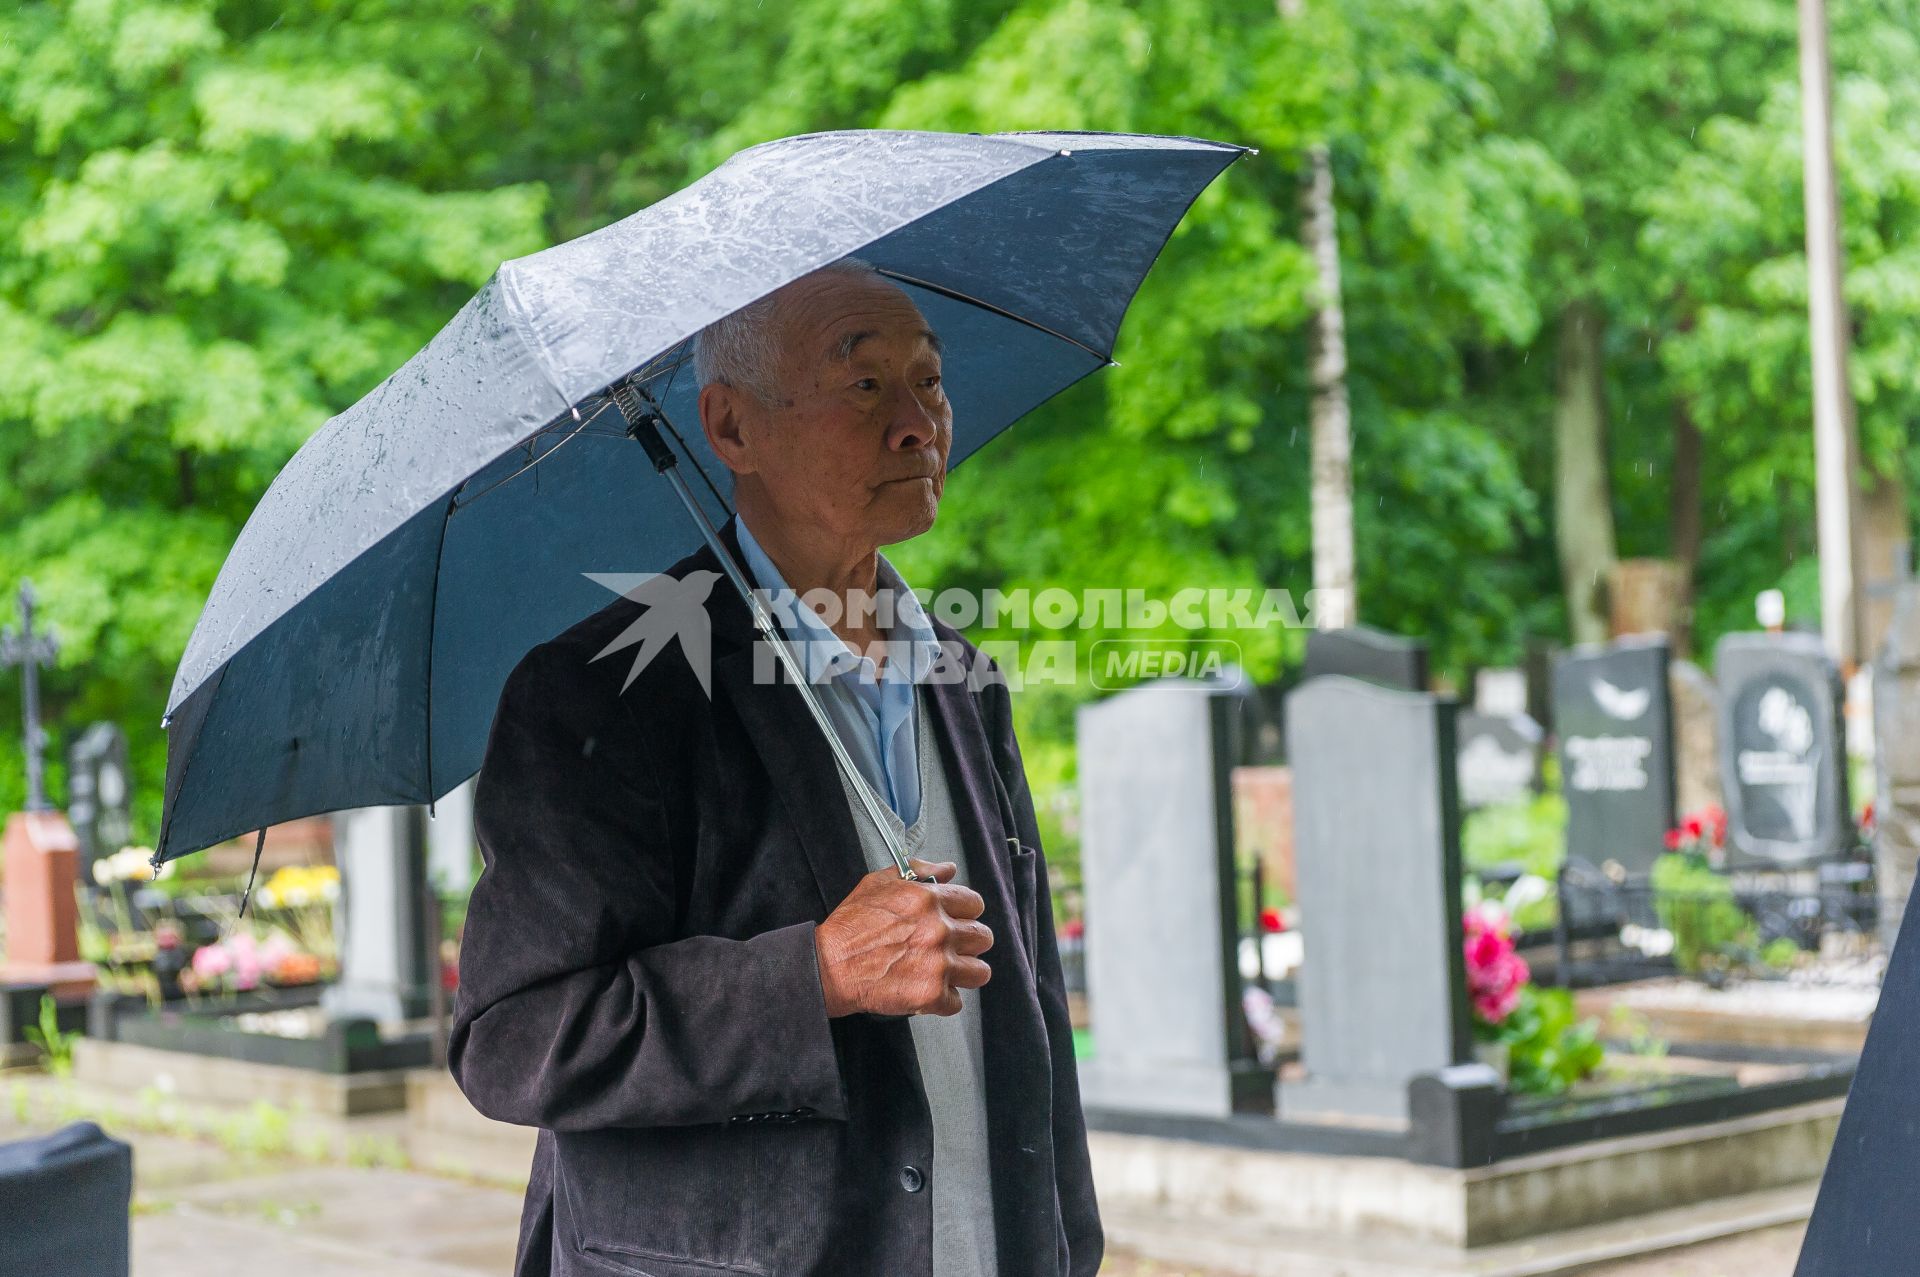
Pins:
<point x="856" y="444"/>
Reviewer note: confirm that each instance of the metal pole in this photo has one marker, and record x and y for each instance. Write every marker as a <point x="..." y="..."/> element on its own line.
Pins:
<point x="1836" y="447"/>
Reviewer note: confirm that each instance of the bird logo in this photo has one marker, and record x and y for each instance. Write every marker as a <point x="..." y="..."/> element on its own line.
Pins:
<point x="676" y="607"/>
<point x="1620" y="702"/>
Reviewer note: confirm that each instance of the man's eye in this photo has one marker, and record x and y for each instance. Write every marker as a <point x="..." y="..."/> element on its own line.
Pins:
<point x="932" y="381"/>
<point x="867" y="383"/>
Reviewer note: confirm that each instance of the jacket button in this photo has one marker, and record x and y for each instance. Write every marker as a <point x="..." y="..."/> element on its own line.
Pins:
<point x="911" y="1179"/>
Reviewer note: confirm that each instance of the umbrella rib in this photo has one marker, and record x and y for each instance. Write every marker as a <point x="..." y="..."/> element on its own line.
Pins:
<point x="1002" y="311"/>
<point x="461" y="500"/>
<point x="433" y="641"/>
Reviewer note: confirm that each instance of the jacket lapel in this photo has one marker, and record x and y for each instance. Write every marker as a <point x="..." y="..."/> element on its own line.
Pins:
<point x="783" y="733"/>
<point x="1014" y="1041"/>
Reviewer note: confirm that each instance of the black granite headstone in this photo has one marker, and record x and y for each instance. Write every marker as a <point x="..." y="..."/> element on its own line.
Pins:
<point x="99" y="793"/>
<point x="1783" y="759"/>
<point x="1614" y="714"/>
<point x="1499" y="758"/>
<point x="1373" y="656"/>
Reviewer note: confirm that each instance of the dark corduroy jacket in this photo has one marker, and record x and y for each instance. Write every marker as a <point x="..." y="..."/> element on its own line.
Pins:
<point x="637" y="978"/>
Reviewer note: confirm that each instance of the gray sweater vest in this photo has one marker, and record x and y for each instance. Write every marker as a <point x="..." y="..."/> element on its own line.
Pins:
<point x="948" y="1046"/>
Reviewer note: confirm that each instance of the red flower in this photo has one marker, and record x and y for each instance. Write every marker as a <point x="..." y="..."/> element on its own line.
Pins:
<point x="1270" y="920"/>
<point x="1674" y="840"/>
<point x="1074" y="929"/>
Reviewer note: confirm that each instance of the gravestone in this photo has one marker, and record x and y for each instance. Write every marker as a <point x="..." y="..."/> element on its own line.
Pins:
<point x="450" y="841"/>
<point x="1614" y="710"/>
<point x="42" y="934"/>
<point x="1499" y="758"/>
<point x="1501" y="692"/>
<point x="385" y="953"/>
<point x="1163" y="977"/>
<point x="1782" y="748"/>
<point x="1896" y="752"/>
<point x="1377" y="855"/>
<point x="1696" y="737"/>
<point x="99" y="793"/>
<point x="1373" y="655"/>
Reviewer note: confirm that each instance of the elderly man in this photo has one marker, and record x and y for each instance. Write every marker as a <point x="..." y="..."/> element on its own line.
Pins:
<point x="751" y="1046"/>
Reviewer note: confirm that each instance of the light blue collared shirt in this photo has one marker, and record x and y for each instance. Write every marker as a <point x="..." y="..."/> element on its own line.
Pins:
<point x="874" y="712"/>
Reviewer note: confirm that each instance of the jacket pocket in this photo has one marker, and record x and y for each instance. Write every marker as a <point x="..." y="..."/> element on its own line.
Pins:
<point x="627" y="1261"/>
<point x="1025" y="890"/>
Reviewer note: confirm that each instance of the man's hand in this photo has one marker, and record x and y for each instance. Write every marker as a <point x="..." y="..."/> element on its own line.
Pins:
<point x="895" y="947"/>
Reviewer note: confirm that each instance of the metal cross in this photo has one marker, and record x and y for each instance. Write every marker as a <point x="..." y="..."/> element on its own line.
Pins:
<point x="30" y="651"/>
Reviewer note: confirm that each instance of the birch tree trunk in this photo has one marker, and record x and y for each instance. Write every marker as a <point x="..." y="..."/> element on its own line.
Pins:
<point x="1332" y="440"/>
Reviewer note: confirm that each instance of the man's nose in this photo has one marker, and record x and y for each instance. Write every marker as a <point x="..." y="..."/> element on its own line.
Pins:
<point x="912" y="426"/>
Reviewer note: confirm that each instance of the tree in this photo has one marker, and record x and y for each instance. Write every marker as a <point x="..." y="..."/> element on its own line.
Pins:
<point x="223" y="226"/>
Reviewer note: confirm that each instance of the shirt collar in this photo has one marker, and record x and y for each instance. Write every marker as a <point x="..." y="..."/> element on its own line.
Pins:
<point x="824" y="654"/>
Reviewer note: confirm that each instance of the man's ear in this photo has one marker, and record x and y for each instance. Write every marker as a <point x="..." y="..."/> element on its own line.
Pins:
<point x="721" y="417"/>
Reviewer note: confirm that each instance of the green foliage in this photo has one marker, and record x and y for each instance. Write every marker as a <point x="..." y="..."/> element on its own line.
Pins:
<point x="1547" y="1049"/>
<point x="52" y="1039"/>
<point x="223" y="224"/>
<point x="1781" y="954"/>
<point x="1695" y="903"/>
<point x="1532" y="835"/>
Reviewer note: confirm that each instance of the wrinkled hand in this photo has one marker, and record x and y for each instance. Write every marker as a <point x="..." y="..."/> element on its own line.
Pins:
<point x="895" y="947"/>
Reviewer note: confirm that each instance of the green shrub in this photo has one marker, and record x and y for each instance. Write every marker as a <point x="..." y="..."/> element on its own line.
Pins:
<point x="1710" y="929"/>
<point x="1547" y="1049"/>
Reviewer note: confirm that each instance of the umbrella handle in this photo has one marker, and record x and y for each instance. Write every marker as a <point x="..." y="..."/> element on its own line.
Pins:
<point x="643" y="424"/>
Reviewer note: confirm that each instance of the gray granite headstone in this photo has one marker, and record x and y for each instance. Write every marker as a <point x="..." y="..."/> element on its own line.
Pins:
<point x="1614" y="713"/>
<point x="1374" y="655"/>
<point x="1376" y="822"/>
<point x="1896" y="753"/>
<point x="1499" y="758"/>
<point x="450" y="841"/>
<point x="1782" y="749"/>
<point x="1163" y="977"/>
<point x="385" y="953"/>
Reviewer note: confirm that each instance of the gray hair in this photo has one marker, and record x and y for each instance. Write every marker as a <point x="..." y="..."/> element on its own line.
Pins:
<point x="742" y="350"/>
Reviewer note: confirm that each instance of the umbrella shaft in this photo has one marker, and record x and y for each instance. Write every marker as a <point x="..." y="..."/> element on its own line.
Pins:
<point x="764" y="623"/>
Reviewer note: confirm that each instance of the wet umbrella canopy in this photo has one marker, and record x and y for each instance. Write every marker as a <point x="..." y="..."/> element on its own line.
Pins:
<point x="356" y="641"/>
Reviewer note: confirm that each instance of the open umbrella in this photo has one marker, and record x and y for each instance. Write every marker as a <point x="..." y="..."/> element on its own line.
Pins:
<point x="356" y="641"/>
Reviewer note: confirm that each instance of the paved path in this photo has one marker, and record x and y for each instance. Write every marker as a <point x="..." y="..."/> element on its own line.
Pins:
<point x="201" y="1210"/>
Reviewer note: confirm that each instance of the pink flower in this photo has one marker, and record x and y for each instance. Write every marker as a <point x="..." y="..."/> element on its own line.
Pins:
<point x="210" y="962"/>
<point x="1495" y="972"/>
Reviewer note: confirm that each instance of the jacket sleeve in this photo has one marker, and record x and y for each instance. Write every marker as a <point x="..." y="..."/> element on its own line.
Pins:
<point x="1073" y="1166"/>
<point x="578" y="1007"/>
